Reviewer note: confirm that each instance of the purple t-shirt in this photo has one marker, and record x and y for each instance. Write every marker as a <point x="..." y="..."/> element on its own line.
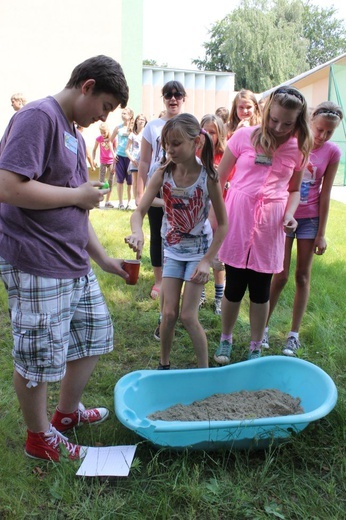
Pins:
<point x="40" y="144"/>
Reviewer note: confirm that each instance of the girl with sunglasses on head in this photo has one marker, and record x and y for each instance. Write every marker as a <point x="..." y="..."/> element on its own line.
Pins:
<point x="173" y="94"/>
<point x="261" y="202"/>
<point x="188" y="187"/>
<point x="312" y="216"/>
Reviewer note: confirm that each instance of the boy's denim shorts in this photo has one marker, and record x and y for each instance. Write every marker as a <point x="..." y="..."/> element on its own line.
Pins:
<point x="178" y="268"/>
<point x="54" y="321"/>
<point x="307" y="228"/>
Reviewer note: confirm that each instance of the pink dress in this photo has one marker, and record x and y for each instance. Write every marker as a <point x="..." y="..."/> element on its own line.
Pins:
<point x="256" y="203"/>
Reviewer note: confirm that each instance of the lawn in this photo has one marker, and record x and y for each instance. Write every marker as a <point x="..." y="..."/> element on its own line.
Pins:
<point x="304" y="478"/>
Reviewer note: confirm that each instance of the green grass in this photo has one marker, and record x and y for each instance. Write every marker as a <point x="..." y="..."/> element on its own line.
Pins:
<point x="303" y="479"/>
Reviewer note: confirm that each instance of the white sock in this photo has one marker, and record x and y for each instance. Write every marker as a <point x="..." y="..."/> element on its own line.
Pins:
<point x="294" y="334"/>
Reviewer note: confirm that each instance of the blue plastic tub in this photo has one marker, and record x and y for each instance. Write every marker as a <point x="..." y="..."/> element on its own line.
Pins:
<point x="139" y="394"/>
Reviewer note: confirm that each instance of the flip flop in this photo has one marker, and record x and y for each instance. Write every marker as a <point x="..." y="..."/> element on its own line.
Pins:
<point x="155" y="292"/>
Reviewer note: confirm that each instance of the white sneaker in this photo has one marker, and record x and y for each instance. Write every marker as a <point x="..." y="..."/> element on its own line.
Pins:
<point x="291" y="347"/>
<point x="217" y="306"/>
<point x="265" y="340"/>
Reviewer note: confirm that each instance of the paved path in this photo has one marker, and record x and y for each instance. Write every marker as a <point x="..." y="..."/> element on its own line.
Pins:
<point x="339" y="193"/>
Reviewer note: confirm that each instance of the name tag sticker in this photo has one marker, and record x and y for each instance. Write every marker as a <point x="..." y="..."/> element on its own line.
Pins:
<point x="180" y="192"/>
<point x="71" y="142"/>
<point x="263" y="159"/>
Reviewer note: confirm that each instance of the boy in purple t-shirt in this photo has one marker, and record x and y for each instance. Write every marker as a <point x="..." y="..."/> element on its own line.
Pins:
<point x="60" y="322"/>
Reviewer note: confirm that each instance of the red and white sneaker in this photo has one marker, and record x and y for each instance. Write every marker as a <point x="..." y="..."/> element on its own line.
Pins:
<point x="46" y="446"/>
<point x="66" y="421"/>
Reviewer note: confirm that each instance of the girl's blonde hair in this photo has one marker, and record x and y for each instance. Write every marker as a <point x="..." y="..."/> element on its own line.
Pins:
<point x="187" y="127"/>
<point x="234" y="119"/>
<point x="19" y="96"/>
<point x="329" y="110"/>
<point x="130" y="122"/>
<point x="220" y="131"/>
<point x="105" y="128"/>
<point x="291" y="99"/>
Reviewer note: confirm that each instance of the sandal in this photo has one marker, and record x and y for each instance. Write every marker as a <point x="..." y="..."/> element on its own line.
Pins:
<point x="155" y="292"/>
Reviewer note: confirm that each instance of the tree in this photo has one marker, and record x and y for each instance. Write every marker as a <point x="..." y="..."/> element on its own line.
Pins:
<point x="153" y="63"/>
<point x="325" y="33"/>
<point x="215" y="58"/>
<point x="265" y="43"/>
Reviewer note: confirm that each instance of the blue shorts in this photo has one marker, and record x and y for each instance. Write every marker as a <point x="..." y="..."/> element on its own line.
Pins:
<point x="54" y="321"/>
<point x="307" y="228"/>
<point x="178" y="268"/>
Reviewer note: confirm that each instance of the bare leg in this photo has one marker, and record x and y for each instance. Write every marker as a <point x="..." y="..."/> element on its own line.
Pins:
<point x="129" y="191"/>
<point x="258" y="318"/>
<point x="170" y="312"/>
<point x="120" y="191"/>
<point x="279" y="280"/>
<point x="33" y="403"/>
<point x="77" y="375"/>
<point x="219" y="277"/>
<point x="189" y="318"/>
<point x="134" y="183"/>
<point x="158" y="276"/>
<point x="305" y="255"/>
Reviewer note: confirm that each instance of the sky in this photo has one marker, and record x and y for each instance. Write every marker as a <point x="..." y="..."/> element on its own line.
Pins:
<point x="173" y="33"/>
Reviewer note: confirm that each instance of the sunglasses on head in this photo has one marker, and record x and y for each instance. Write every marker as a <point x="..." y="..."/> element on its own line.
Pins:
<point x="177" y="95"/>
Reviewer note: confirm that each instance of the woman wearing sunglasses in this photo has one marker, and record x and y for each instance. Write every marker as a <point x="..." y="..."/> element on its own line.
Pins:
<point x="173" y="95"/>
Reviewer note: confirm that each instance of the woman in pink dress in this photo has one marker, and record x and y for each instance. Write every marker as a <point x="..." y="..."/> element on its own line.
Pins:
<point x="262" y="200"/>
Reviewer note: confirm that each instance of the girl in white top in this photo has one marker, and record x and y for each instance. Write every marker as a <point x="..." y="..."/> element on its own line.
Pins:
<point x="188" y="187"/>
<point x="133" y="148"/>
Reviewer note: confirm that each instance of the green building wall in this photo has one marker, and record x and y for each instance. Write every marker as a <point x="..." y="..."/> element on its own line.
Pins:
<point x="132" y="50"/>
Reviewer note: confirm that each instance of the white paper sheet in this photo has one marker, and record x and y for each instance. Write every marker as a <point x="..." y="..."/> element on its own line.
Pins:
<point x="109" y="461"/>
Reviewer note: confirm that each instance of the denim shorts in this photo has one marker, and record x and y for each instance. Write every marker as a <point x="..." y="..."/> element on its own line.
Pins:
<point x="54" y="321"/>
<point x="179" y="268"/>
<point x="307" y="228"/>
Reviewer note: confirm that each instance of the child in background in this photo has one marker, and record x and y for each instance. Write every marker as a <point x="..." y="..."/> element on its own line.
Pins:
<point x="18" y="101"/>
<point x="106" y="159"/>
<point x="87" y="149"/>
<point x="133" y="148"/>
<point x="261" y="202"/>
<point x="244" y="112"/>
<point x="223" y="114"/>
<point x="214" y="126"/>
<point x="188" y="242"/>
<point x="261" y="104"/>
<point x="312" y="216"/>
<point x="121" y="162"/>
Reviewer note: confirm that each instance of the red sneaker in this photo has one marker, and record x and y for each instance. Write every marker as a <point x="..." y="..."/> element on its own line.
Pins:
<point x="46" y="446"/>
<point x="66" y="421"/>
